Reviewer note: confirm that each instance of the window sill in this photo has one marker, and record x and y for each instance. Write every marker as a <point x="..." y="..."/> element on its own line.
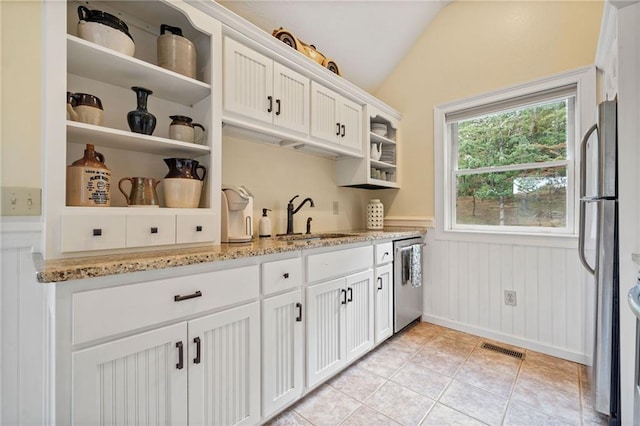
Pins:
<point x="519" y="239"/>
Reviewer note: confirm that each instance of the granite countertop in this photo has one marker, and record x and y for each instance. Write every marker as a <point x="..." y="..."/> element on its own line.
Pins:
<point x="50" y="271"/>
<point x="635" y="257"/>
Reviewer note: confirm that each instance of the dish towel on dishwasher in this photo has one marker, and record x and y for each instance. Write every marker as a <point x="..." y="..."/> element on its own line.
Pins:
<point x="416" y="265"/>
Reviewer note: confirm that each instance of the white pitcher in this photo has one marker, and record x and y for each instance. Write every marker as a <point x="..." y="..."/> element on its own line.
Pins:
<point x="376" y="151"/>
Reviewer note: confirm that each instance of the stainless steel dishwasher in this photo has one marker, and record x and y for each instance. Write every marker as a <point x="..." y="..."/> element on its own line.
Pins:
<point x="634" y="303"/>
<point x="407" y="282"/>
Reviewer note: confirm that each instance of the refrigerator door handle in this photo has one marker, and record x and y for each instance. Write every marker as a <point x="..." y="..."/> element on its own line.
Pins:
<point x="583" y="190"/>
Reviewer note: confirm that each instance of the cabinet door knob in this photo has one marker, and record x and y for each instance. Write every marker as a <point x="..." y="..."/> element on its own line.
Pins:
<point x="299" y="317"/>
<point x="344" y="130"/>
<point x="286" y="275"/>
<point x="196" y="360"/>
<point x="278" y="105"/>
<point x="338" y="127"/>
<point x="180" y="364"/>
<point x="270" y="99"/>
<point x="97" y="232"/>
<point x="154" y="230"/>
<point x="199" y="228"/>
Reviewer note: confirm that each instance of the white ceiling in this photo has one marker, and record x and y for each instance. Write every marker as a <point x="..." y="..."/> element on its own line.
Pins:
<point x="367" y="39"/>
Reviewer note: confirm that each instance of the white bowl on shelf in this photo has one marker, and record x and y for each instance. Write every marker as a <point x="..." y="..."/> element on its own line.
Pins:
<point x="379" y="129"/>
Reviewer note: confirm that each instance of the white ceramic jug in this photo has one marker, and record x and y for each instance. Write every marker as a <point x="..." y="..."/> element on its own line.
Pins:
<point x="376" y="151"/>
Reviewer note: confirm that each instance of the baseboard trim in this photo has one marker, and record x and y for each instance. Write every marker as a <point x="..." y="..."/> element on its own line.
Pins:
<point x="509" y="339"/>
<point x="409" y="221"/>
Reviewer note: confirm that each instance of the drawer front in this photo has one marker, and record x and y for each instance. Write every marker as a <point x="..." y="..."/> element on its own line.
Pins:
<point x="338" y="263"/>
<point x="149" y="230"/>
<point x="92" y="232"/>
<point x="281" y="275"/>
<point x="384" y="253"/>
<point x="108" y="311"/>
<point x="194" y="228"/>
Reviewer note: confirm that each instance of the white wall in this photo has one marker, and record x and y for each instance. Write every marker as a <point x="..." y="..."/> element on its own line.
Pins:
<point x="464" y="289"/>
<point x="25" y="320"/>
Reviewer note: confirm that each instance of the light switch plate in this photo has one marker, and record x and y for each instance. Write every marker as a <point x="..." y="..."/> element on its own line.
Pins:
<point x="20" y="201"/>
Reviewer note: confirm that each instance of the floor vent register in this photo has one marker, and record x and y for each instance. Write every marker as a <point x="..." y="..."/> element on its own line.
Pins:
<point x="500" y="349"/>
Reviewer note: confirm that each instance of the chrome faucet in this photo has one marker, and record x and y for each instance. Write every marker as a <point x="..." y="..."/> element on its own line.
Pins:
<point x="291" y="211"/>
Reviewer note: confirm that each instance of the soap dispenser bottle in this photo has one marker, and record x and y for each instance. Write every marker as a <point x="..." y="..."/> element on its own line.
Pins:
<point x="264" y="226"/>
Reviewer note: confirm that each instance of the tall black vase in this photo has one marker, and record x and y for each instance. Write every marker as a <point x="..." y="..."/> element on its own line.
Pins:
<point x="141" y="120"/>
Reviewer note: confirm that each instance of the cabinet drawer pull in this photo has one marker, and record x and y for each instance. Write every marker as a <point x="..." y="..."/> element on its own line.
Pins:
<point x="344" y="130"/>
<point x="350" y="299"/>
<point x="380" y="281"/>
<point x="344" y="296"/>
<point x="338" y="132"/>
<point x="178" y="298"/>
<point x="180" y="364"/>
<point x="196" y="360"/>
<point x="278" y="105"/>
<point x="270" y="99"/>
<point x="97" y="232"/>
<point x="199" y="228"/>
<point x="299" y="317"/>
<point x="154" y="230"/>
<point x="286" y="275"/>
<point x="385" y="254"/>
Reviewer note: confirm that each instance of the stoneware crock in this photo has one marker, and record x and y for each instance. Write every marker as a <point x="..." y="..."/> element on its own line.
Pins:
<point x="106" y="30"/>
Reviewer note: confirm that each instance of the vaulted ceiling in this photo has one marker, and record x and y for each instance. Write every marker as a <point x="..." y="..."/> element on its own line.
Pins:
<point x="367" y="39"/>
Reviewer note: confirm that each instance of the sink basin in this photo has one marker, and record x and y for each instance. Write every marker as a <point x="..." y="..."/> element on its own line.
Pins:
<point x="312" y="237"/>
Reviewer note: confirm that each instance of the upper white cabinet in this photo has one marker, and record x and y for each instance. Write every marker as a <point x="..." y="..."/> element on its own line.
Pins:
<point x="76" y="65"/>
<point x="379" y="166"/>
<point x="261" y="89"/>
<point x="335" y="119"/>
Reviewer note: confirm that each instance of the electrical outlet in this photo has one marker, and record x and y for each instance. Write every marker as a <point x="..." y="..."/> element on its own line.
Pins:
<point x="17" y="201"/>
<point x="510" y="298"/>
<point x="336" y="207"/>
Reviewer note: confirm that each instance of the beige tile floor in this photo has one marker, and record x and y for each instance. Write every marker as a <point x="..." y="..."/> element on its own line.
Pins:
<point x="431" y="375"/>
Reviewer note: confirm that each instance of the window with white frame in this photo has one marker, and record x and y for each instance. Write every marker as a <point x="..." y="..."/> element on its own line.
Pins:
<point x="509" y="160"/>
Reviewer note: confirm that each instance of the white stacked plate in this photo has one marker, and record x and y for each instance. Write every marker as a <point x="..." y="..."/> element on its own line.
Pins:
<point x="388" y="155"/>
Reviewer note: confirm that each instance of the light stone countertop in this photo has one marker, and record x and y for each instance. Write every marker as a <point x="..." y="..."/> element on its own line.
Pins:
<point x="636" y="258"/>
<point x="51" y="271"/>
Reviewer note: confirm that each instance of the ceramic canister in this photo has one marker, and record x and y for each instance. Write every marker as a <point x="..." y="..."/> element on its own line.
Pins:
<point x="88" y="109"/>
<point x="89" y="181"/>
<point x="106" y="30"/>
<point x="176" y="52"/>
<point x="375" y="214"/>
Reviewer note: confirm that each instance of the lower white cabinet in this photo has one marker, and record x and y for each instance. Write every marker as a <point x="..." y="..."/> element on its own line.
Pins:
<point x="339" y="324"/>
<point x="224" y="367"/>
<point x="384" y="302"/>
<point x="205" y="371"/>
<point x="282" y="351"/>
<point x="132" y="381"/>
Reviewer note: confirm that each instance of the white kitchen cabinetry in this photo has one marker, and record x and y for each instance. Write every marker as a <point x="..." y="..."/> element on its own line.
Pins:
<point x="335" y="119"/>
<point x="379" y="166"/>
<point x="224" y="367"/>
<point x="143" y="379"/>
<point x="339" y="324"/>
<point x="261" y="89"/>
<point x="78" y="66"/>
<point x="282" y="351"/>
<point x="384" y="303"/>
<point x="132" y="381"/>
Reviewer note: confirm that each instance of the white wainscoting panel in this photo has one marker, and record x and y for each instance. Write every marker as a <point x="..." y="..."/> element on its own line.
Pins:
<point x="465" y="284"/>
<point x="25" y="321"/>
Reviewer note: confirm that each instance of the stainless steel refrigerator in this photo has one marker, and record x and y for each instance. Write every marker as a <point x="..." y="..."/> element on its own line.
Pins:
<point x="598" y="251"/>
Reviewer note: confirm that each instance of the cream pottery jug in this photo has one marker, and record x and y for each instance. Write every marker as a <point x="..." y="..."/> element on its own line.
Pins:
<point x="175" y="52"/>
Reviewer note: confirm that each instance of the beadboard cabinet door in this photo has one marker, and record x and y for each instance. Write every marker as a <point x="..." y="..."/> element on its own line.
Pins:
<point x="359" y="314"/>
<point x="248" y="82"/>
<point x="351" y="119"/>
<point x="291" y="99"/>
<point x="224" y="367"/>
<point x="383" y="303"/>
<point x="335" y="119"/>
<point x="136" y="380"/>
<point x="282" y="351"/>
<point x="326" y="339"/>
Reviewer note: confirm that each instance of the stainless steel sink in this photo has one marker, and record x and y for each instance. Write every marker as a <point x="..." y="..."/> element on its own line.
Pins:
<point x="312" y="237"/>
